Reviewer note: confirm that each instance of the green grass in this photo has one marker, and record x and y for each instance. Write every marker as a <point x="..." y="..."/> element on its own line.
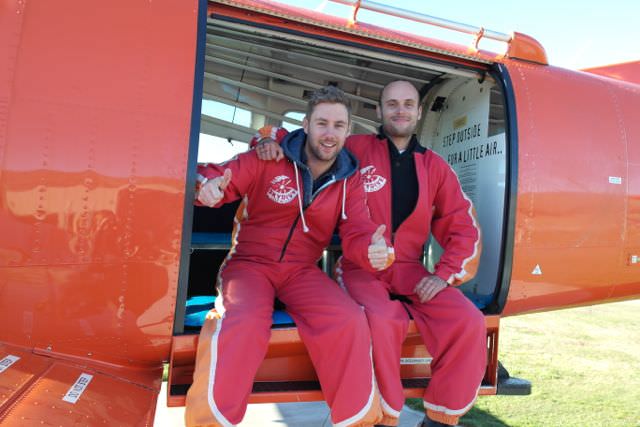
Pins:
<point x="584" y="365"/>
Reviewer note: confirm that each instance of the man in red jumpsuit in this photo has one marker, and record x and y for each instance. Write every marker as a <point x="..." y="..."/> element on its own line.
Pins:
<point x="414" y="192"/>
<point x="291" y="209"/>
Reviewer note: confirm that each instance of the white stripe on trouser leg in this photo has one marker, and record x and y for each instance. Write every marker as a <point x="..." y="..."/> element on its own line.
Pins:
<point x="212" y="373"/>
<point x="447" y="411"/>
<point x="388" y="409"/>
<point x="367" y="406"/>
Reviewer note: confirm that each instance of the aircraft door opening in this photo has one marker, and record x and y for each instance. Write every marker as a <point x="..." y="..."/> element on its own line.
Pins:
<point x="465" y="125"/>
<point x="255" y="76"/>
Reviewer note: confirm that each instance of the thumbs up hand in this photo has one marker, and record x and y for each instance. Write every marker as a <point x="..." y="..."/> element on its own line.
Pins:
<point x="212" y="191"/>
<point x="380" y="255"/>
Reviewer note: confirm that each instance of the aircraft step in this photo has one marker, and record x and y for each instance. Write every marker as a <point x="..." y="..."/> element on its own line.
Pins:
<point x="275" y="386"/>
<point x="287" y="374"/>
<point x="511" y="386"/>
<point x="307" y="391"/>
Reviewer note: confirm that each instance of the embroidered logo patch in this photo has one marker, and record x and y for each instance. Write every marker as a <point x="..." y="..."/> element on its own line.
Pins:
<point x="280" y="191"/>
<point x="372" y="182"/>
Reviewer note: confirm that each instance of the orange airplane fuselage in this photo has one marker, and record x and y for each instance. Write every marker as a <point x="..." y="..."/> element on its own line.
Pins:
<point x="99" y="127"/>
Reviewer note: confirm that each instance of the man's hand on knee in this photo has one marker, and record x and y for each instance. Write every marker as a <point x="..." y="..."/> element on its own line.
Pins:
<point x="428" y="287"/>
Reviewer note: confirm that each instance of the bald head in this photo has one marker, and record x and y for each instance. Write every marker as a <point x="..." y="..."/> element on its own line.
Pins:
<point x="399" y="111"/>
<point x="399" y="85"/>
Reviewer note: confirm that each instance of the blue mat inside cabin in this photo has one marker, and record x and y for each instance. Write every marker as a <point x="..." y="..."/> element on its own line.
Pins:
<point x="199" y="306"/>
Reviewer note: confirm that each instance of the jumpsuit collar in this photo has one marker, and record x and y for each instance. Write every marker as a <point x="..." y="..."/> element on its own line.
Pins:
<point x="343" y="167"/>
<point x="413" y="146"/>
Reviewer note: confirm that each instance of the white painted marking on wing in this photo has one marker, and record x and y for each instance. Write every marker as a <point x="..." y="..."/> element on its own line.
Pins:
<point x="77" y="388"/>
<point x="7" y="362"/>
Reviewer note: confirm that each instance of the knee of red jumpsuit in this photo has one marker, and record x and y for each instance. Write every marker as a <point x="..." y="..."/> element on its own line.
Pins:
<point x="342" y="349"/>
<point x="388" y="330"/>
<point x="389" y="325"/>
<point x="476" y="331"/>
<point x="472" y="343"/>
<point x="254" y="326"/>
<point x="237" y="348"/>
<point x="343" y="324"/>
<point x="353" y="317"/>
<point x="242" y="345"/>
<point x="464" y="322"/>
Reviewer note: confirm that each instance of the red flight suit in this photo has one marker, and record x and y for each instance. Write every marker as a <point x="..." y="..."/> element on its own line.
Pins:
<point x="284" y="229"/>
<point x="451" y="326"/>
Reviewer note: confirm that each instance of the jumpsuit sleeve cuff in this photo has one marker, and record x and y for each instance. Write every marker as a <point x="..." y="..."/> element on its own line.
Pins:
<point x="447" y="276"/>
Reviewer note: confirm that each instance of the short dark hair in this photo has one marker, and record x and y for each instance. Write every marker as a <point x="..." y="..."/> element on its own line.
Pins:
<point x="328" y="94"/>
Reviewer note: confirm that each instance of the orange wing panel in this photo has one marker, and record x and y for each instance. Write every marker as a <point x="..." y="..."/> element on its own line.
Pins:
<point x="18" y="370"/>
<point x="67" y="395"/>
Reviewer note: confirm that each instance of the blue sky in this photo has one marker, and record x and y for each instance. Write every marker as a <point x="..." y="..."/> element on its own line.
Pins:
<point x="576" y="34"/>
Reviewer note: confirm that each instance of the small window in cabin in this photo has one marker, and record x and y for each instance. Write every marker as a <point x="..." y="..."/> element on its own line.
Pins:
<point x="213" y="149"/>
<point x="293" y="120"/>
<point x="225" y="131"/>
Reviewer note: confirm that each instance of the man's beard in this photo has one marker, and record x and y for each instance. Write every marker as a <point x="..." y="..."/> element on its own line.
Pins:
<point x="316" y="151"/>
<point x="393" y="131"/>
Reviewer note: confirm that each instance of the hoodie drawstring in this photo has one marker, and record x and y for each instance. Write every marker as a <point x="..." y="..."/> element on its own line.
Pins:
<point x="304" y="223"/>
<point x="344" y="198"/>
